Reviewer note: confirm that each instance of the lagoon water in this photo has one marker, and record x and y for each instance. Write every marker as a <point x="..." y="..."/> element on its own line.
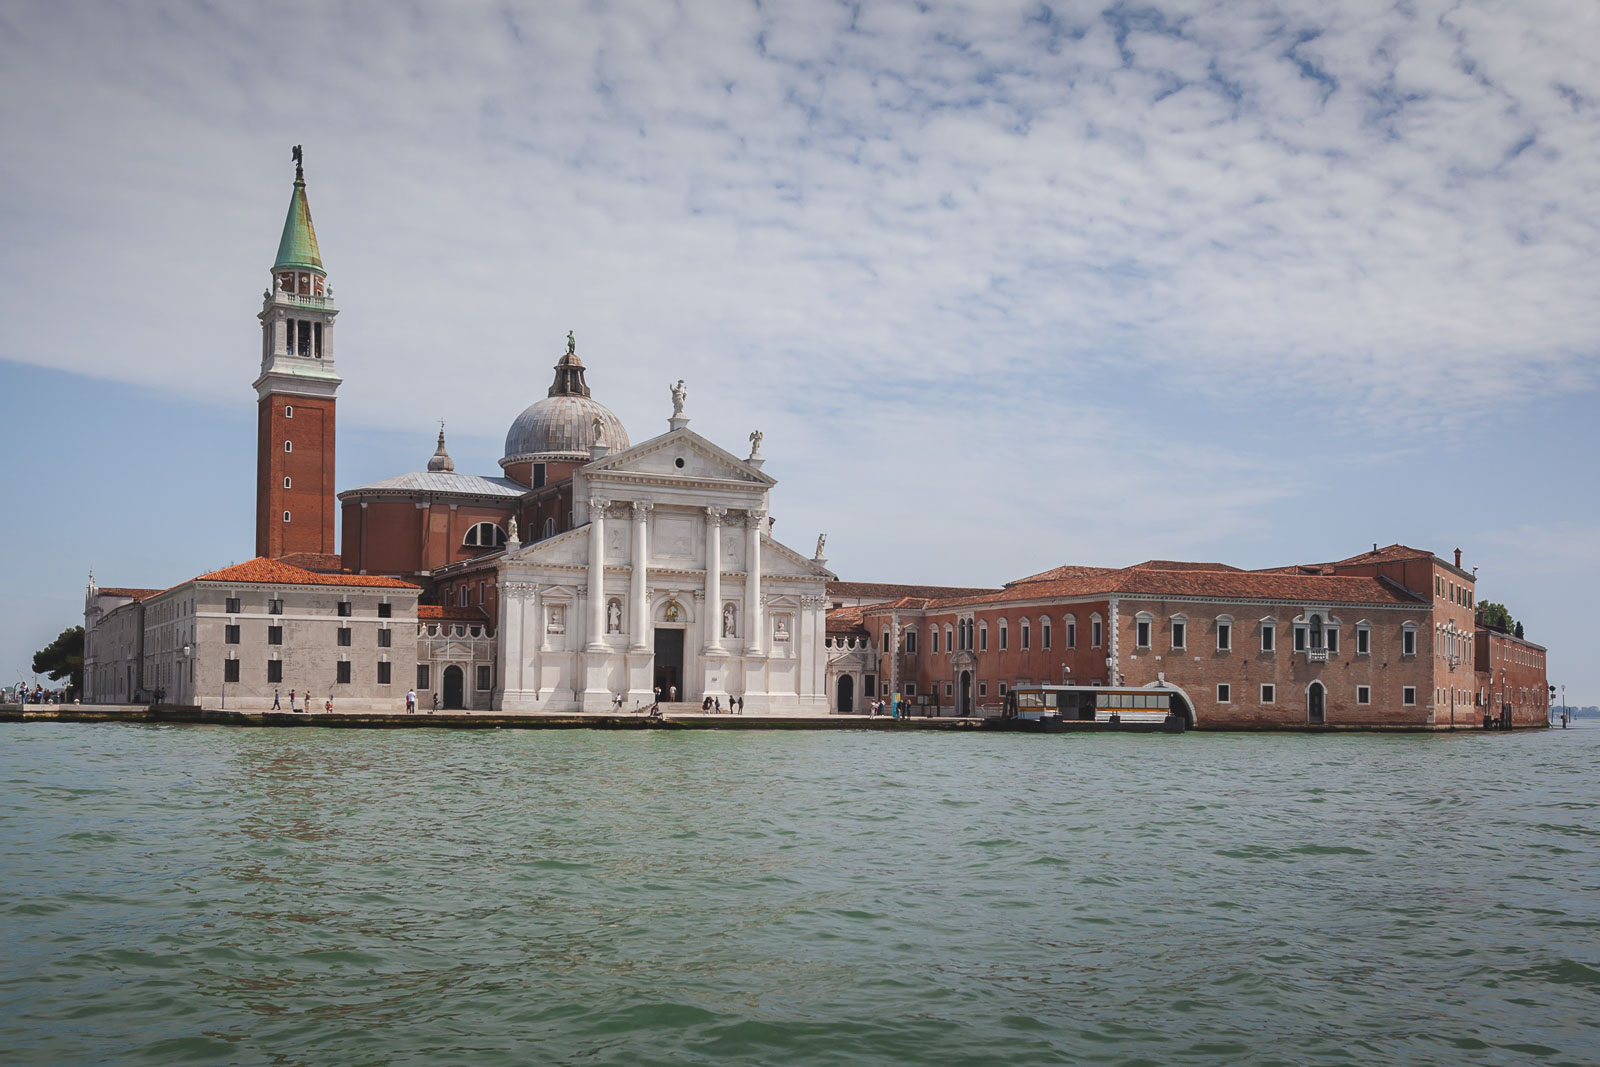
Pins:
<point x="211" y="895"/>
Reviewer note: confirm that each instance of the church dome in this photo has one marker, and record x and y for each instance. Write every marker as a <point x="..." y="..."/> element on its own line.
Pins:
<point x="566" y="423"/>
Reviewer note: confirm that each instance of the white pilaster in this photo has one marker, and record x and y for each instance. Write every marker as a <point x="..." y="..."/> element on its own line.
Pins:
<point x="714" y="579"/>
<point x="754" y="616"/>
<point x="597" y="574"/>
<point x="638" y="589"/>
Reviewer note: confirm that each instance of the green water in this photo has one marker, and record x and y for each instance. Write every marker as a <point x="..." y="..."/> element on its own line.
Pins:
<point x="208" y="895"/>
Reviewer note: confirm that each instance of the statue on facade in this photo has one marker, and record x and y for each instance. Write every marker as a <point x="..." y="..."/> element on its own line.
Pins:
<point x="729" y="621"/>
<point x="614" y="618"/>
<point x="780" y="632"/>
<point x="672" y="611"/>
<point x="822" y="539"/>
<point x="572" y="344"/>
<point x="558" y="620"/>
<point x="679" y="396"/>
<point x="511" y="529"/>
<point x="599" y="427"/>
<point x="755" y="443"/>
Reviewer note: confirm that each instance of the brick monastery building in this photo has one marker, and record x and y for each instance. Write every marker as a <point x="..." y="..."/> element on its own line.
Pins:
<point x="591" y="570"/>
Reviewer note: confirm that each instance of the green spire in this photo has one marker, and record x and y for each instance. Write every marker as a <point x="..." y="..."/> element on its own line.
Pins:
<point x="298" y="246"/>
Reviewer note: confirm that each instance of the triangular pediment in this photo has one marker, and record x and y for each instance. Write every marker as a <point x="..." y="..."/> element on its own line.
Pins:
<point x="781" y="561"/>
<point x="681" y="455"/>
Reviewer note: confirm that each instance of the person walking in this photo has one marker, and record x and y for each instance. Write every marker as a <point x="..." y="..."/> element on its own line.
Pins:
<point x="435" y="701"/>
<point x="291" y="701"/>
<point x="275" y="705"/>
<point x="411" y="701"/>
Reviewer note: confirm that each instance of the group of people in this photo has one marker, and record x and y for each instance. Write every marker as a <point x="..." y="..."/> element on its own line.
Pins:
<point x="882" y="706"/>
<point x="295" y="701"/>
<point x="411" y="702"/>
<point x="20" y="694"/>
<point x="713" y="705"/>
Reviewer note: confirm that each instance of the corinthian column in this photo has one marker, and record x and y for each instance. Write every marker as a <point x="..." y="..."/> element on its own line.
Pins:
<point x="714" y="578"/>
<point x="754" y="626"/>
<point x="597" y="574"/>
<point x="637" y="588"/>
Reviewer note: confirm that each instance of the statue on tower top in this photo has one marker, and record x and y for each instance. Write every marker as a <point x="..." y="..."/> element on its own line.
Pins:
<point x="299" y="165"/>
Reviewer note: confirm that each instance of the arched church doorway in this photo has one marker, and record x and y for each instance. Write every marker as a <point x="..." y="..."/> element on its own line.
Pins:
<point x="454" y="688"/>
<point x="847" y="694"/>
<point x="1316" y="697"/>
<point x="964" y="700"/>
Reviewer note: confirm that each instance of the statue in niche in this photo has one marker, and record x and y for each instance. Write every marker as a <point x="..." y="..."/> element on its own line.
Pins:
<point x="557" y="623"/>
<point x="614" y="617"/>
<point x="680" y="395"/>
<point x="780" y="629"/>
<point x="672" y="611"/>
<point x="730" y="621"/>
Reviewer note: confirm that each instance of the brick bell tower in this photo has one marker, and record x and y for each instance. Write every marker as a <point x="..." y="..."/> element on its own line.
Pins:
<point x="294" y="442"/>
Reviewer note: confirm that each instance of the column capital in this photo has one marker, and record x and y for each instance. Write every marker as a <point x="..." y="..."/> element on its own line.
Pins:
<point x="714" y="516"/>
<point x="597" y="507"/>
<point x="755" y="519"/>
<point x="643" y="507"/>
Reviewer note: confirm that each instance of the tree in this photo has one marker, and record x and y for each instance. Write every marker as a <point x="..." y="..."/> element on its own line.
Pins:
<point x="1496" y="615"/>
<point x="62" y="657"/>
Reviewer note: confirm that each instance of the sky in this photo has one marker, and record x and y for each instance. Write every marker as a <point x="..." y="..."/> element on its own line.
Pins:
<point x="1005" y="285"/>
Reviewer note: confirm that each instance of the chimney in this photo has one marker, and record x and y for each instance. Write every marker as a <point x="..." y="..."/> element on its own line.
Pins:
<point x="1458" y="559"/>
<point x="1374" y="548"/>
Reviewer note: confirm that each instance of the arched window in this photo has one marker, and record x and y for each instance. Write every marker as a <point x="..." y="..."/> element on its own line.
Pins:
<point x="1003" y="642"/>
<point x="1027" y="635"/>
<point x="484" y="535"/>
<point x="1044" y="632"/>
<point x="933" y="640"/>
<point x="1070" y="622"/>
<point x="550" y="527"/>
<point x="1141" y="629"/>
<point x="983" y="637"/>
<point x="949" y="639"/>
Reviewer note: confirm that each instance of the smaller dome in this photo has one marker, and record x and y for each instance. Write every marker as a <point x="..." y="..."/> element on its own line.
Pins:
<point x="440" y="462"/>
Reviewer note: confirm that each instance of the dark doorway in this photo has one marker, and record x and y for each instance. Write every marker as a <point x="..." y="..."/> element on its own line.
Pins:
<point x="964" y="701"/>
<point x="1314" y="703"/>
<point x="454" y="685"/>
<point x="669" y="662"/>
<point x="847" y="694"/>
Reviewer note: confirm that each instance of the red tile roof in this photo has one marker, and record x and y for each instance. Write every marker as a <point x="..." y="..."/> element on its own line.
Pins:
<point x="1231" y="584"/>
<point x="1071" y="570"/>
<point x="262" y="571"/>
<point x="845" y="621"/>
<point x="450" y="611"/>
<point x="1392" y="554"/>
<point x="136" y="594"/>
<point x="889" y="591"/>
<point x="1180" y="565"/>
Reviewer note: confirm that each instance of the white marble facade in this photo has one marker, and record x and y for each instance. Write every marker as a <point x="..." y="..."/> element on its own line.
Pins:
<point x="673" y="580"/>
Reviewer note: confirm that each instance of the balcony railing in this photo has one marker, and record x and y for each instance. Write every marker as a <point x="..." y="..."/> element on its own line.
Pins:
<point x="1317" y="655"/>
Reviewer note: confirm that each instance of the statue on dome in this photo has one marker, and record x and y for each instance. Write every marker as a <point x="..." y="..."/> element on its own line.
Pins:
<point x="599" y="427"/>
<point x="572" y="344"/>
<point x="679" y="396"/>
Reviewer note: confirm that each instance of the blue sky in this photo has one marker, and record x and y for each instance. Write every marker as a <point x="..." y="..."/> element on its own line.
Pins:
<point x="1005" y="286"/>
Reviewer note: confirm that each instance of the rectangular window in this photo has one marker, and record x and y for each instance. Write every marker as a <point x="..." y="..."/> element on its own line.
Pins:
<point x="274" y="607"/>
<point x="274" y="670"/>
<point x="911" y="689"/>
<point x="948" y="688"/>
<point x="344" y="636"/>
<point x="485" y="679"/>
<point x="274" y="635"/>
<point x="230" y="670"/>
<point x="383" y="672"/>
<point x="983" y="639"/>
<point x="1142" y="634"/>
<point x="1299" y="638"/>
<point x="1094" y="633"/>
<point x="538" y="475"/>
<point x="1332" y="637"/>
<point x="385" y="610"/>
<point x="422" y="676"/>
<point x="1363" y="641"/>
<point x="1180" y="634"/>
<point x="1224" y="636"/>
<point x="1363" y="694"/>
<point x="983" y="689"/>
<point x="1072" y="634"/>
<point x="934" y="638"/>
<point x="344" y="609"/>
<point x="1002" y="689"/>
<point x="911" y="642"/>
<point x="1408" y="642"/>
<point x="1224" y="693"/>
<point x="1269" y="635"/>
<point x="1269" y="693"/>
<point x="1003" y="636"/>
<point x="1044" y="635"/>
<point x="342" y="672"/>
<point x="385" y="637"/>
<point x="1408" y="695"/>
<point x="1027" y="637"/>
<point x="870" y="686"/>
<point x="231" y="634"/>
<point x="231" y="605"/>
